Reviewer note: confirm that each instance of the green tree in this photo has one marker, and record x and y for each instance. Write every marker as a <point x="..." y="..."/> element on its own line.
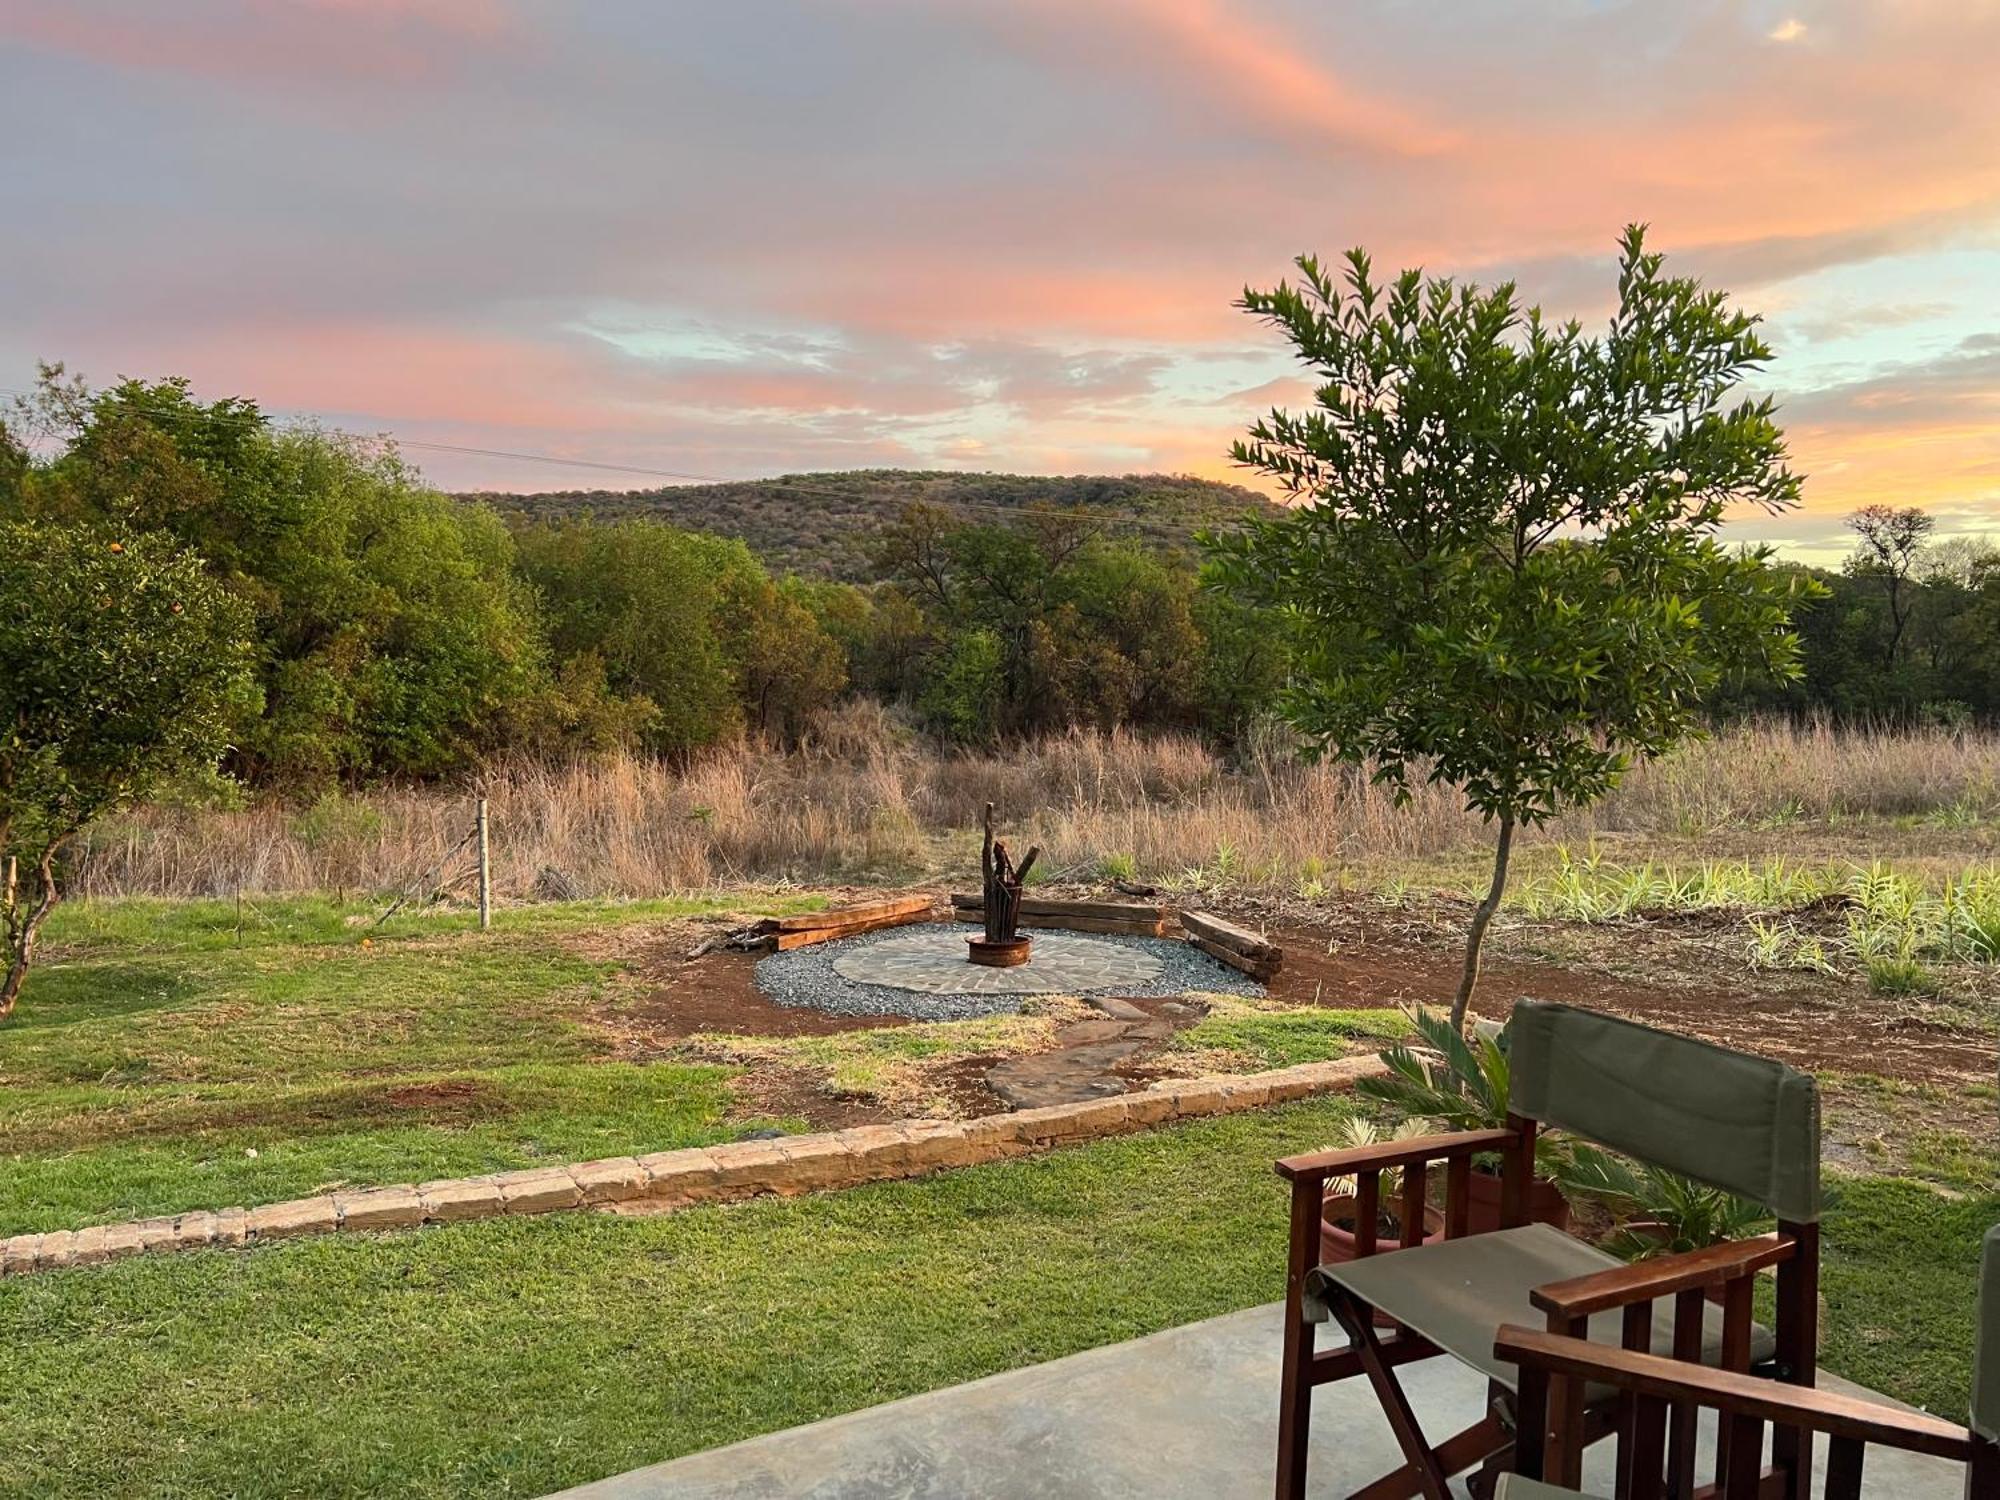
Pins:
<point x="691" y="626"/>
<point x="641" y="598"/>
<point x="392" y="633"/>
<point x="962" y="700"/>
<point x="1244" y="661"/>
<point x="1137" y="606"/>
<point x="122" y="665"/>
<point x="1889" y="549"/>
<point x="787" y="666"/>
<point x="1505" y="575"/>
<point x="1089" y="631"/>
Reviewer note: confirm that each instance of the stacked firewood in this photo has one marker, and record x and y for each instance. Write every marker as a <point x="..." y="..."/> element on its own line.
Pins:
<point x="1240" y="948"/>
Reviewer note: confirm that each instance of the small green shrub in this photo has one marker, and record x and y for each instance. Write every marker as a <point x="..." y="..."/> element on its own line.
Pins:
<point x="1459" y="1084"/>
<point x="1901" y="976"/>
<point x="1657" y="1212"/>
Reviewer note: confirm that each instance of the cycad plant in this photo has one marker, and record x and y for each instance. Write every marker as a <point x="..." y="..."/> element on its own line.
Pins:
<point x="1460" y="1084"/>
<point x="1658" y="1212"/>
<point x="1456" y="1082"/>
<point x="1359" y="1130"/>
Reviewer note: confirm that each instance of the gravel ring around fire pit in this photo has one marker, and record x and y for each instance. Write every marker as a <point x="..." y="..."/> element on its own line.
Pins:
<point x="806" y="977"/>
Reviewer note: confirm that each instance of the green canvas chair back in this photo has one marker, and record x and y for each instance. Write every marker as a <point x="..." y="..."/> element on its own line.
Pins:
<point x="1742" y="1123"/>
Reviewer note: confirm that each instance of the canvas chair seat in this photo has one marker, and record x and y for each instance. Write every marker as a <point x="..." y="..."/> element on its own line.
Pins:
<point x="1458" y="1293"/>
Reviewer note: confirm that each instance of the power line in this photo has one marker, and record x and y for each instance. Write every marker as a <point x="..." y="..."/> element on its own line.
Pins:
<point x="258" y="419"/>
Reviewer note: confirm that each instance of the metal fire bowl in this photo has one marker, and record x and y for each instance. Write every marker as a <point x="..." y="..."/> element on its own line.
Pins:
<point x="1008" y="953"/>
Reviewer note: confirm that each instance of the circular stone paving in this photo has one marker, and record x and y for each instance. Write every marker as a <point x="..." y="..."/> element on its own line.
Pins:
<point x="1058" y="964"/>
<point x="922" y="973"/>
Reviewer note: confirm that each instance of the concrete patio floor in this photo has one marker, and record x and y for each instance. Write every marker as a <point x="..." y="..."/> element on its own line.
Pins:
<point x="1188" y="1412"/>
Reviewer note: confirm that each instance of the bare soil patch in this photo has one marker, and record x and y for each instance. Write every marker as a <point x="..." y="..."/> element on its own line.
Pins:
<point x="1686" y="972"/>
<point x="1907" y="1085"/>
<point x="794" y="1093"/>
<point x="666" y="997"/>
<point x="1677" y="973"/>
<point x="448" y="1100"/>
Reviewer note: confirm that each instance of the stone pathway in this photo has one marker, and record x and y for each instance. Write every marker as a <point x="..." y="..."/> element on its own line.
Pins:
<point x="1080" y="1067"/>
<point x="934" y="962"/>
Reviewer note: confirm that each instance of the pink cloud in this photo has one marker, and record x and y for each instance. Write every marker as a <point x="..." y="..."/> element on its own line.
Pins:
<point x="1247" y="66"/>
<point x="400" y="373"/>
<point x="260" y="42"/>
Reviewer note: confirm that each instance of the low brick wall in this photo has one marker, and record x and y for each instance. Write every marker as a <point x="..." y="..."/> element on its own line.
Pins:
<point x="668" y="1180"/>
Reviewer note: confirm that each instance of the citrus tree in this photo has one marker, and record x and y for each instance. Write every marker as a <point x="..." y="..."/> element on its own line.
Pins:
<point x="121" y="665"/>
<point x="1501" y="570"/>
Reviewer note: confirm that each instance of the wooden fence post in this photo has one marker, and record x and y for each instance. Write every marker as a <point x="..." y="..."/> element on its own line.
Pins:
<point x="485" y="870"/>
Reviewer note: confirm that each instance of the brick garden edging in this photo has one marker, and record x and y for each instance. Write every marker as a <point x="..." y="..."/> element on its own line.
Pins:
<point x="666" y="1180"/>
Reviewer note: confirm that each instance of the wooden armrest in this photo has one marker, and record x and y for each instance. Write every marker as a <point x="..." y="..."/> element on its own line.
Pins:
<point x="1414" y="1152"/>
<point x="1662" y="1276"/>
<point x="1772" y="1401"/>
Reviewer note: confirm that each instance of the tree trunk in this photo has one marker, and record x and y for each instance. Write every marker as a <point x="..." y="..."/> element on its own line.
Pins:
<point x="21" y="935"/>
<point x="1481" y="916"/>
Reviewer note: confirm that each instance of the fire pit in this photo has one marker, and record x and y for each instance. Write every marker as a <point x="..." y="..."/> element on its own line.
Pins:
<point x="1002" y="947"/>
<point x="922" y="973"/>
<point x="998" y="953"/>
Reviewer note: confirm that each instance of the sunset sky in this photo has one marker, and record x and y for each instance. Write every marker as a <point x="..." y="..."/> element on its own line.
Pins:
<point x="749" y="237"/>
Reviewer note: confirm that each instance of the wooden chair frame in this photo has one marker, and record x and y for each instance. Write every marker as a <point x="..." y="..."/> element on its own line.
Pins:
<point x="1562" y="1422"/>
<point x="1653" y="1390"/>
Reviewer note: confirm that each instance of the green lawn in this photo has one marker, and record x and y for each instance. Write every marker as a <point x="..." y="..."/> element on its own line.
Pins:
<point x="1256" y="1034"/>
<point x="174" y="1056"/>
<point x="510" y="1357"/>
<point x="169" y="1056"/>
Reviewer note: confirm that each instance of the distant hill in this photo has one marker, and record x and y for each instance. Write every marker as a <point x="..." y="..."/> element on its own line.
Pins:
<point x="823" y="525"/>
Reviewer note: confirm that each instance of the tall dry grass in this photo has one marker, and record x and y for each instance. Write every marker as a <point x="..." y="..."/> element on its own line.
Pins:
<point x="866" y="801"/>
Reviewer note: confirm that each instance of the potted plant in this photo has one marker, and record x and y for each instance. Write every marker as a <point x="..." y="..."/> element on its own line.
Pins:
<point x="1463" y="1085"/>
<point x="1337" y="1218"/>
<point x="1654" y="1211"/>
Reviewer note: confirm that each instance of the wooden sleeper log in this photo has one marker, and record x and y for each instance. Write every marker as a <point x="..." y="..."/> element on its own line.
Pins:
<point x="861" y="911"/>
<point x="1108" y="911"/>
<point x="1240" y="939"/>
<point x="1263" y="970"/>
<point x="777" y="934"/>
<point x="1249" y="952"/>
<point x="779" y="942"/>
<point x="1117" y="928"/>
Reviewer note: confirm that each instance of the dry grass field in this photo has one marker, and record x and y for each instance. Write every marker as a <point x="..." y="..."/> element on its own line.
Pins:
<point x="863" y="803"/>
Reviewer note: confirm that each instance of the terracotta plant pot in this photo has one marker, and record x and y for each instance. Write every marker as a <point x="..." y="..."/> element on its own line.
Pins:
<point x="1007" y="953"/>
<point x="1336" y="1245"/>
<point x="1546" y="1204"/>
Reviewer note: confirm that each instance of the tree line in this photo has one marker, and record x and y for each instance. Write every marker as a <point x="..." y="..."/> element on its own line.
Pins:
<point x="393" y="631"/>
<point x="388" y="630"/>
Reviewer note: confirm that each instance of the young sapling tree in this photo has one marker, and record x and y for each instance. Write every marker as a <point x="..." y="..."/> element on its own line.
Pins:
<point x="1501" y="569"/>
